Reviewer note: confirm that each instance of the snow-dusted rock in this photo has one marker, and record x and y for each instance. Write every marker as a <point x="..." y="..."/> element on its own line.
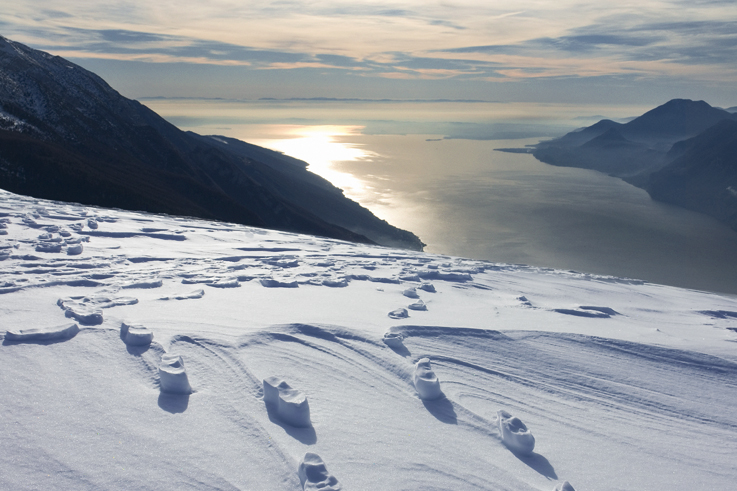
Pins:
<point x="426" y="383"/>
<point x="314" y="475"/>
<point x="136" y="334"/>
<point x="65" y="331"/>
<point x="173" y="376"/>
<point x="290" y="404"/>
<point x="514" y="433"/>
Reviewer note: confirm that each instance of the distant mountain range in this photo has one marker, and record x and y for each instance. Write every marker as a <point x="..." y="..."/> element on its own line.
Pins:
<point x="683" y="152"/>
<point x="66" y="135"/>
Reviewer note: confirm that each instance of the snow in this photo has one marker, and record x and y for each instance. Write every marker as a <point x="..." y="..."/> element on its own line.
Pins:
<point x="173" y="377"/>
<point x="625" y="384"/>
<point x="425" y="381"/>
<point x="314" y="474"/>
<point x="135" y="335"/>
<point x="515" y="434"/>
<point x="42" y="334"/>
<point x="290" y="405"/>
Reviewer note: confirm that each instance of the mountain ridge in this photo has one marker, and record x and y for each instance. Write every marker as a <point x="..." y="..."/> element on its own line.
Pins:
<point x="657" y="150"/>
<point x="62" y="124"/>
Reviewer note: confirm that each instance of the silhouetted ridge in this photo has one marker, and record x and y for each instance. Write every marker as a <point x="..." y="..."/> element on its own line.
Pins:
<point x="676" y="119"/>
<point x="691" y="141"/>
<point x="65" y="134"/>
<point x="611" y="137"/>
<point x="704" y="177"/>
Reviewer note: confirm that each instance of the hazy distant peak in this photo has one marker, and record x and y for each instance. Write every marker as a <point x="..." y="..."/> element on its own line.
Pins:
<point x="604" y="124"/>
<point x="612" y="135"/>
<point x="675" y="118"/>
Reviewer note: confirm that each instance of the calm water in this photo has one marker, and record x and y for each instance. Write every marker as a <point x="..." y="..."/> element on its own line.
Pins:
<point x="462" y="198"/>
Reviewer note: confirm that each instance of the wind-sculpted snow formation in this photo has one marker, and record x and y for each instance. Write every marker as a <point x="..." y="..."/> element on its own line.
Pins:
<point x="514" y="433"/>
<point x="393" y="340"/>
<point x="425" y="380"/>
<point x="315" y="476"/>
<point x="290" y="404"/>
<point x="172" y="374"/>
<point x="626" y="385"/>
<point x="62" y="332"/>
<point x="135" y="334"/>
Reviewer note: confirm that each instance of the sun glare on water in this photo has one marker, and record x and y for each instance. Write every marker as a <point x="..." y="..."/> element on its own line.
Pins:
<point x="322" y="147"/>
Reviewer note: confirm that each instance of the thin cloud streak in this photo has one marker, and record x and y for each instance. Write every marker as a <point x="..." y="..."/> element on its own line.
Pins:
<point x="410" y="39"/>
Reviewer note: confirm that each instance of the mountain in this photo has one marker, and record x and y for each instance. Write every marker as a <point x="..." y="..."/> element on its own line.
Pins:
<point x="66" y="135"/>
<point x="581" y="136"/>
<point x="704" y="175"/>
<point x="602" y="147"/>
<point x="682" y="153"/>
<point x="643" y="142"/>
<point x="732" y="109"/>
<point x="675" y="120"/>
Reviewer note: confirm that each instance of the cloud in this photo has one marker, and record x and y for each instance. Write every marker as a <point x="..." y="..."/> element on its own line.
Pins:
<point x="402" y="39"/>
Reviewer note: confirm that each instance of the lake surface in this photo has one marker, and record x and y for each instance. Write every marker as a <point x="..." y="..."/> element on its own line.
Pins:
<point x="462" y="198"/>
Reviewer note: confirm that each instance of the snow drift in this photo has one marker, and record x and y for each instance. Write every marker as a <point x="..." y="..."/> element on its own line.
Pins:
<point x="638" y="395"/>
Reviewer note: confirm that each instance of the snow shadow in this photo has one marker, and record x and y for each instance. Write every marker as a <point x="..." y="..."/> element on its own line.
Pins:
<point x="401" y="350"/>
<point x="41" y="342"/>
<point x="173" y="403"/>
<point x="538" y="463"/>
<point x="137" y="350"/>
<point x="442" y="409"/>
<point x="306" y="436"/>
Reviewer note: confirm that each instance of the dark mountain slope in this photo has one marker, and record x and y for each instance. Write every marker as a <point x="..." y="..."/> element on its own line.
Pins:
<point x="636" y="149"/>
<point x="65" y="134"/>
<point x="704" y="177"/>
<point x="683" y="152"/>
<point x="606" y="151"/>
<point x="581" y="136"/>
<point x="315" y="194"/>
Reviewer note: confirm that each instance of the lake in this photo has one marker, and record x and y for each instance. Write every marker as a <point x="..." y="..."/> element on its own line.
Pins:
<point x="462" y="198"/>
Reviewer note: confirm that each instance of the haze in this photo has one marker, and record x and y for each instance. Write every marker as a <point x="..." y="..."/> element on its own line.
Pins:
<point x="643" y="52"/>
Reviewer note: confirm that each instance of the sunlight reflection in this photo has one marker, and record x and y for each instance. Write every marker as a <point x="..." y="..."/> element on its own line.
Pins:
<point x="323" y="147"/>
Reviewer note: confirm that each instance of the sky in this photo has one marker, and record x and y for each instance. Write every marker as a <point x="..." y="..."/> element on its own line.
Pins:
<point x="568" y="51"/>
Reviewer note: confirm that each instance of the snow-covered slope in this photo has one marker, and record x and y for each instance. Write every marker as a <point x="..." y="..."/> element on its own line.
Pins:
<point x="622" y="384"/>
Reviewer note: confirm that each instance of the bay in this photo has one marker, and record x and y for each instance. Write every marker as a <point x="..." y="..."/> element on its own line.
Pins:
<point x="463" y="198"/>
